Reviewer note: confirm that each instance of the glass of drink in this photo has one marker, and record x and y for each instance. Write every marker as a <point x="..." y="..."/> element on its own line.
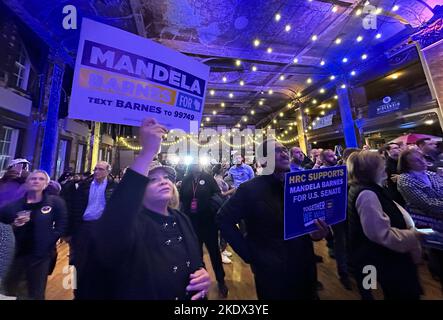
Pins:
<point x="22" y="217"/>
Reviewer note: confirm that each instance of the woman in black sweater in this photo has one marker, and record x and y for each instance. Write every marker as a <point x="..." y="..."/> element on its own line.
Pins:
<point x="147" y="248"/>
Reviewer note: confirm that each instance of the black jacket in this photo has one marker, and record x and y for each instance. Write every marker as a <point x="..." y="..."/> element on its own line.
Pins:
<point x="396" y="271"/>
<point x="125" y="246"/>
<point x="80" y="202"/>
<point x="391" y="186"/>
<point x="283" y="269"/>
<point x="48" y="223"/>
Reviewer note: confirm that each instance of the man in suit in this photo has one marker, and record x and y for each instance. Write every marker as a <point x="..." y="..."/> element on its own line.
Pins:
<point x="89" y="203"/>
<point x="282" y="269"/>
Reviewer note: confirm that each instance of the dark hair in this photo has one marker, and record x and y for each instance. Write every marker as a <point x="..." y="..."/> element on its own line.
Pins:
<point x="422" y="141"/>
<point x="216" y="169"/>
<point x="403" y="160"/>
<point x="388" y="146"/>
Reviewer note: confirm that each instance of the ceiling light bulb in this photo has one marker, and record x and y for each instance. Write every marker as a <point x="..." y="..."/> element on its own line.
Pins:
<point x="359" y="38"/>
<point x="378" y="36"/>
<point x="314" y="37"/>
<point x="338" y="41"/>
<point x="353" y="73"/>
<point x="322" y="63"/>
<point x="211" y="92"/>
<point x="282" y="77"/>
<point x="274" y="121"/>
<point x="242" y="83"/>
<point x="309" y="80"/>
<point x="277" y="17"/>
<point x="224" y="79"/>
<point x="395" y="8"/>
<point x="322" y="90"/>
<point x="254" y="68"/>
<point x="358" y="12"/>
<point x="364" y="56"/>
<point x="281" y="114"/>
<point x="332" y="77"/>
<point x="231" y="95"/>
<point x="271" y="91"/>
<point x="295" y="60"/>
<point x="237" y="63"/>
<point x="260" y="103"/>
<point x="223" y="104"/>
<point x="214" y="112"/>
<point x="288" y="28"/>
<point x="252" y="112"/>
<point x="334" y="9"/>
<point x="269" y="50"/>
<point x="345" y="60"/>
<point x="208" y="119"/>
<point x="256" y="43"/>
<point x="335" y="97"/>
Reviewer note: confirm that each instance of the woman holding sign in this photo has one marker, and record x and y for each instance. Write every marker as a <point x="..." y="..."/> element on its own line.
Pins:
<point x="149" y="248"/>
<point x="383" y="242"/>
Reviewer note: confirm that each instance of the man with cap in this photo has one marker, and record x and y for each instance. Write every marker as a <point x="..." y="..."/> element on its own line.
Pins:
<point x="283" y="269"/>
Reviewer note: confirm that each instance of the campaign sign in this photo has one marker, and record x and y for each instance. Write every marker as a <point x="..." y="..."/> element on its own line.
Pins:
<point x="314" y="194"/>
<point x="123" y="78"/>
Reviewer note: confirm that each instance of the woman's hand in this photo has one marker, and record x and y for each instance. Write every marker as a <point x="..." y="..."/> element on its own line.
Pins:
<point x="151" y="133"/>
<point x="200" y="281"/>
<point x="322" y="232"/>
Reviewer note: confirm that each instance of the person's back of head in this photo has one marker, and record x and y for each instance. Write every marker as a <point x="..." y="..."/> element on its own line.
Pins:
<point x="365" y="168"/>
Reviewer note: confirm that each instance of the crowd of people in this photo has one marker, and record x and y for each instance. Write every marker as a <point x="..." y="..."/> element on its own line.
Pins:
<point x="141" y="236"/>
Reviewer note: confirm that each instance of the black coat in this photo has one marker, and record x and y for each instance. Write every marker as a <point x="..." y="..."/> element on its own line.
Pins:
<point x="391" y="186"/>
<point x="48" y="223"/>
<point x="79" y="202"/>
<point x="125" y="246"/>
<point x="283" y="269"/>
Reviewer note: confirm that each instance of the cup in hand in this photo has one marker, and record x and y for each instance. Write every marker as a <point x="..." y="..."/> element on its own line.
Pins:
<point x="22" y="217"/>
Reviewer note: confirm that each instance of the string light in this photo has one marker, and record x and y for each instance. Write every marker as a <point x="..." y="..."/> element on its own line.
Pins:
<point x="281" y="114"/>
<point x="359" y="38"/>
<point x="288" y="28"/>
<point x="212" y="92"/>
<point x="252" y="112"/>
<point x="364" y="56"/>
<point x="322" y="90"/>
<point x="271" y="91"/>
<point x="314" y="37"/>
<point x="338" y="41"/>
<point x="274" y="121"/>
<point x="345" y="60"/>
<point x="254" y="68"/>
<point x="256" y="42"/>
<point x="242" y="83"/>
<point x="238" y="63"/>
<point x="332" y="77"/>
<point x="358" y="12"/>
<point x="336" y="97"/>
<point x="378" y="36"/>
<point x="260" y="102"/>
<point x="322" y="63"/>
<point x="309" y="80"/>
<point x="269" y="50"/>
<point x="295" y="60"/>
<point x="334" y="9"/>
<point x="277" y="17"/>
<point x="222" y="104"/>
<point x="395" y="8"/>
<point x="224" y="79"/>
<point x="282" y="77"/>
<point x="353" y="73"/>
<point x="231" y="95"/>
<point x="208" y="119"/>
<point x="214" y="112"/>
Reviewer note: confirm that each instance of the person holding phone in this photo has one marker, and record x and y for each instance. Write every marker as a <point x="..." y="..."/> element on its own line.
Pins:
<point x="39" y="220"/>
<point x="148" y="248"/>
